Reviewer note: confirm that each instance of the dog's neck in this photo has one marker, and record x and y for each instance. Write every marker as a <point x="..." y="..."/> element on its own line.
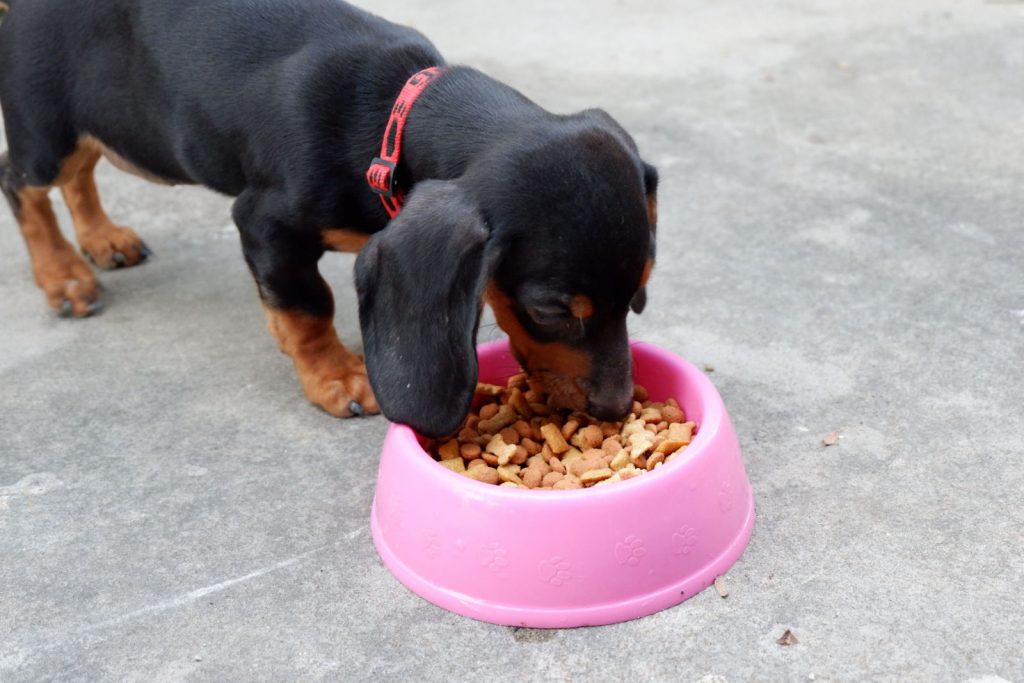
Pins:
<point x="458" y="118"/>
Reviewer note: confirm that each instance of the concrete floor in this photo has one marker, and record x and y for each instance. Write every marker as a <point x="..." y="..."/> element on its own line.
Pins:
<point x="840" y="236"/>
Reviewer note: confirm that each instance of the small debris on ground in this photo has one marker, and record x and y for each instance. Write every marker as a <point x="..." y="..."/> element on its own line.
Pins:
<point x="708" y="367"/>
<point x="787" y="638"/>
<point x="521" y="634"/>
<point x="831" y="439"/>
<point x="722" y="587"/>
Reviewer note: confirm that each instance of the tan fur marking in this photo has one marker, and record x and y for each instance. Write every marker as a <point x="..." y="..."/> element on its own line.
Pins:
<point x="581" y="307"/>
<point x="97" y="235"/>
<point x="652" y="211"/>
<point x="648" y="267"/>
<point x="559" y="365"/>
<point x="331" y="375"/>
<point x="59" y="271"/>
<point x="344" y="240"/>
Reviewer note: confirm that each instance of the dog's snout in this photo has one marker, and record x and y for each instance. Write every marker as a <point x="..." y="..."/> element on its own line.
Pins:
<point x="610" y="408"/>
<point x="610" y="385"/>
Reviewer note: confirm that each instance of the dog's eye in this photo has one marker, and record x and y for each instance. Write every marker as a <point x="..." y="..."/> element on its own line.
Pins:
<point x="548" y="314"/>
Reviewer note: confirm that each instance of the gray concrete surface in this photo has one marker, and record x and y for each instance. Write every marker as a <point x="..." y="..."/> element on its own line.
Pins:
<point x="840" y="236"/>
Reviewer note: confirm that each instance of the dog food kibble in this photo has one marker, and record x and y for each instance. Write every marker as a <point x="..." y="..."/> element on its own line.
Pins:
<point x="516" y="439"/>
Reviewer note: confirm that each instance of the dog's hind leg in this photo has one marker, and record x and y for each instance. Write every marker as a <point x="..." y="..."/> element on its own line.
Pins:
<point x="106" y="244"/>
<point x="66" y="279"/>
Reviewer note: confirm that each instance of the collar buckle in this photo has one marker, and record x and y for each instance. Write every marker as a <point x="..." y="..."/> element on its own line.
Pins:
<point x="381" y="177"/>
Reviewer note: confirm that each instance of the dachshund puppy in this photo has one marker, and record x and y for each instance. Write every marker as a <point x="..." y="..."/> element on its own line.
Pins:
<point x="284" y="105"/>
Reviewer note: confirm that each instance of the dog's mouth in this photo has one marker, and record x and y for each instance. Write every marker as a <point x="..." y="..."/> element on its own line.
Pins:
<point x="607" y="396"/>
<point x="564" y="391"/>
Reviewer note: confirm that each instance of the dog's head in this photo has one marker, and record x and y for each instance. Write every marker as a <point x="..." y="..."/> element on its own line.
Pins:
<point x="555" y="230"/>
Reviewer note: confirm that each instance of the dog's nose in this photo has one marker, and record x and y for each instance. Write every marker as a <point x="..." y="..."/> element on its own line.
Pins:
<point x="610" y="408"/>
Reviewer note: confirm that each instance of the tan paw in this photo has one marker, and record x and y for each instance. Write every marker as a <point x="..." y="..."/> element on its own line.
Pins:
<point x="343" y="391"/>
<point x="69" y="285"/>
<point x="112" y="246"/>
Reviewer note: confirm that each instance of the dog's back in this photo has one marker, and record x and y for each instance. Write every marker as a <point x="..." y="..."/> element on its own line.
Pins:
<point x="150" y="78"/>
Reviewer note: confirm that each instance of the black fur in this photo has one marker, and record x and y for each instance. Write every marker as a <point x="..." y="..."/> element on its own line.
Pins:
<point x="10" y="184"/>
<point x="282" y="104"/>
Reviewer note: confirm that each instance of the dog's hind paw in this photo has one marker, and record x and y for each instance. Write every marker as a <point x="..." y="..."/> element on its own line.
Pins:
<point x="111" y="246"/>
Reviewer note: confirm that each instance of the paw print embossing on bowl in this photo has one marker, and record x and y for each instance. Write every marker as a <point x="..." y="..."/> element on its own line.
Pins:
<point x="555" y="571"/>
<point x="493" y="556"/>
<point x="684" y="539"/>
<point x="630" y="550"/>
<point x="430" y="541"/>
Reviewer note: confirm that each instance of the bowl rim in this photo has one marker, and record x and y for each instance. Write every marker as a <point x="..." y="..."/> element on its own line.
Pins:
<point x="710" y="425"/>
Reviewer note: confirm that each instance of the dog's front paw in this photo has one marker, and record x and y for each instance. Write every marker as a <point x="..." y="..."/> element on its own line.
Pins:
<point x="343" y="391"/>
<point x="333" y="377"/>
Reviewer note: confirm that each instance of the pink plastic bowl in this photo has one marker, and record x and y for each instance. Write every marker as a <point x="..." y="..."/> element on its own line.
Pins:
<point x="569" y="558"/>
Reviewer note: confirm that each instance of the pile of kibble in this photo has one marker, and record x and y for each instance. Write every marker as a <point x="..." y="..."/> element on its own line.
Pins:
<point x="516" y="439"/>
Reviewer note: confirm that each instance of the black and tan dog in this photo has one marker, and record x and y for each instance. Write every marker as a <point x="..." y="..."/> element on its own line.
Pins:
<point x="283" y="104"/>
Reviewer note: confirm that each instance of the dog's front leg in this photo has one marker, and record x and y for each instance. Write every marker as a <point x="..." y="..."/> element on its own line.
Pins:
<point x="298" y="303"/>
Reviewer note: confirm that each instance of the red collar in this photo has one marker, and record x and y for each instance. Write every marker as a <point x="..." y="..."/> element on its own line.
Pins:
<point x="381" y="174"/>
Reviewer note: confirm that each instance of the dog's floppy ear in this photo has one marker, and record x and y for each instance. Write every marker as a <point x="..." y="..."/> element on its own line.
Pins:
<point x="651" y="190"/>
<point x="419" y="283"/>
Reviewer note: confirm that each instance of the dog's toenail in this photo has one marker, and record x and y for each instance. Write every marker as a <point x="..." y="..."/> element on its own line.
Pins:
<point x="145" y="252"/>
<point x="356" y="409"/>
<point x="94" y="307"/>
<point x="119" y="258"/>
<point x="65" y="309"/>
